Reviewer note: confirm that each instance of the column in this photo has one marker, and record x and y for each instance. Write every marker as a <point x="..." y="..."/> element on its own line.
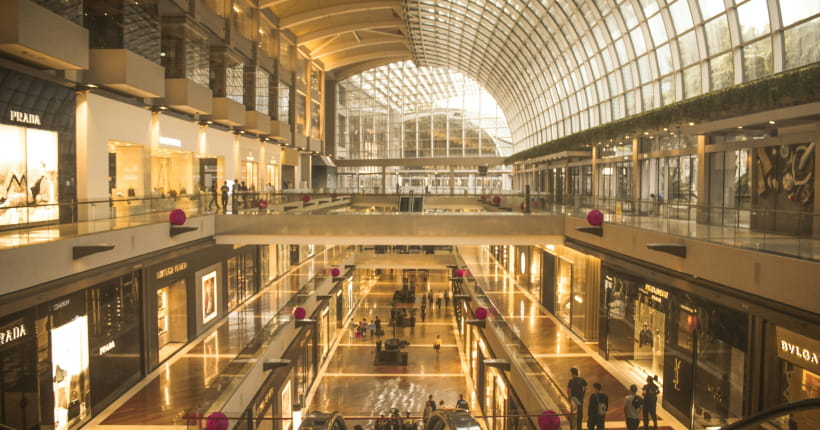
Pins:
<point x="452" y="180"/>
<point x="702" y="213"/>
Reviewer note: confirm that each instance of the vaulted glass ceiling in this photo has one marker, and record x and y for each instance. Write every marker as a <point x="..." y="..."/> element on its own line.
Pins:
<point x="557" y="67"/>
<point x="404" y="111"/>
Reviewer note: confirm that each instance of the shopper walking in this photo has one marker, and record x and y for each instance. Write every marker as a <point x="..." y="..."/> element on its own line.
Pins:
<point x="632" y="408"/>
<point x="650" y="403"/>
<point x="576" y="389"/>
<point x="437" y="344"/>
<point x="598" y="407"/>
<point x="461" y="403"/>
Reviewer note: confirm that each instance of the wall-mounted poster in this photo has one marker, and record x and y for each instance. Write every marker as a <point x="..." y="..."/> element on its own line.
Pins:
<point x="209" y="295"/>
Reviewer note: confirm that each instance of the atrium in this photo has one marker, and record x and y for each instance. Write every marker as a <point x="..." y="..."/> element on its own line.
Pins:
<point x="243" y="214"/>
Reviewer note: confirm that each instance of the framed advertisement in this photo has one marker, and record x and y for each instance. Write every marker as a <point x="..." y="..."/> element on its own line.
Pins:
<point x="209" y="296"/>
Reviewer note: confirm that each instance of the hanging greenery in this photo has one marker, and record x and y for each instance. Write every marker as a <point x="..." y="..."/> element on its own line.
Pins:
<point x="795" y="87"/>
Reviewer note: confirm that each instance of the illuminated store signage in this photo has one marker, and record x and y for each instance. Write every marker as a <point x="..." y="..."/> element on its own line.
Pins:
<point x="107" y="347"/>
<point x="798" y="349"/>
<point x="170" y="141"/>
<point x="59" y="305"/>
<point x="657" y="294"/>
<point x="14" y="331"/>
<point x="170" y="270"/>
<point x="25" y="117"/>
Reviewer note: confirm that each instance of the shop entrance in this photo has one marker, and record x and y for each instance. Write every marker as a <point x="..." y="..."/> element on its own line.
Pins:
<point x="19" y="404"/>
<point x="69" y="361"/>
<point x="172" y="318"/>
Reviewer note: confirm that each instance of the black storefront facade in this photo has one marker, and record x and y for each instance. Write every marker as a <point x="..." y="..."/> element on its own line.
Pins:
<point x="38" y="167"/>
<point x="69" y="348"/>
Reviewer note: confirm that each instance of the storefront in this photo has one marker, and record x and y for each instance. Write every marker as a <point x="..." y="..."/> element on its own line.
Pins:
<point x="696" y="348"/>
<point x="37" y="170"/>
<point x="570" y="287"/>
<point x="242" y="276"/>
<point x="65" y="359"/>
<point x="799" y="368"/>
<point x="126" y="169"/>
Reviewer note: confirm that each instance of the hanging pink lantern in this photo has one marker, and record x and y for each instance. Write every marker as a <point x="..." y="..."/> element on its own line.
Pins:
<point x="335" y="272"/>
<point x="217" y="421"/>
<point x="549" y="420"/>
<point x="497" y="199"/>
<point x="177" y="217"/>
<point x="459" y="273"/>
<point x="480" y="313"/>
<point x="306" y="198"/>
<point x="263" y="204"/>
<point x="595" y="217"/>
<point x="299" y="313"/>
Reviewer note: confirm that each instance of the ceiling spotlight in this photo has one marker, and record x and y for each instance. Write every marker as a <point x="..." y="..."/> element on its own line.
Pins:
<point x="771" y="122"/>
<point x="691" y="123"/>
<point x="158" y="109"/>
<point x="740" y="126"/>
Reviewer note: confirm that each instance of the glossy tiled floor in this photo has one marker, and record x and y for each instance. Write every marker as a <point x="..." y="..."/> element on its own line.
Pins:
<point x="356" y="386"/>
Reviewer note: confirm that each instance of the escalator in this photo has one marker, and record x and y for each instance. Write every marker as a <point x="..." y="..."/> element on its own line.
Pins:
<point x="799" y="415"/>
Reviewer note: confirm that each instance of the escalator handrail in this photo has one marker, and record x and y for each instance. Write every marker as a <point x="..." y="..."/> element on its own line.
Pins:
<point x="774" y="412"/>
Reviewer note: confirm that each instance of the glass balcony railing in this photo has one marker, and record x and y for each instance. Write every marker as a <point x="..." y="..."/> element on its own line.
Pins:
<point x="794" y="233"/>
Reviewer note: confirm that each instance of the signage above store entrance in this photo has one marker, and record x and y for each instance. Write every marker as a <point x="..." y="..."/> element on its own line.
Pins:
<point x="25" y="117"/>
<point x="170" y="141"/>
<point x="798" y="349"/>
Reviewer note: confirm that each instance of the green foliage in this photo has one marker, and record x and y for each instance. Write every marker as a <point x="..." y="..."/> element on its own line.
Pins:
<point x="795" y="87"/>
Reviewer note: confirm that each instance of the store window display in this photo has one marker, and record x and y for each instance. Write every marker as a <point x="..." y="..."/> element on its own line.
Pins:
<point x="28" y="175"/>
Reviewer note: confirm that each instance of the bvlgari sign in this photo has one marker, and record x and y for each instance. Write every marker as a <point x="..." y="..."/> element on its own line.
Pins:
<point x="798" y="349"/>
<point x="24" y="117"/>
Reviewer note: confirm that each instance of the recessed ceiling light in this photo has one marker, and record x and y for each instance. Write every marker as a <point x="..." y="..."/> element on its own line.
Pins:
<point x="771" y="122"/>
<point x="691" y="123"/>
<point x="740" y="126"/>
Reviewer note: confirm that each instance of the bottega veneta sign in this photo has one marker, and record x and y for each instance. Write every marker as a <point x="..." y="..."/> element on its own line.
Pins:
<point x="25" y="117"/>
<point x="798" y="349"/>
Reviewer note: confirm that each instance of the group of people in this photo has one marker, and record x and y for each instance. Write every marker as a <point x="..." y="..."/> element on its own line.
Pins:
<point x="634" y="405"/>
<point x="361" y="328"/>
<point x="432" y="298"/>
<point x="430" y="405"/>
<point x="243" y="195"/>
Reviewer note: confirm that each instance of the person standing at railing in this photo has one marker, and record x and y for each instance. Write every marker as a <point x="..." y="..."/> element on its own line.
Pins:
<point x="576" y="389"/>
<point x="224" y="190"/>
<point x="598" y="407"/>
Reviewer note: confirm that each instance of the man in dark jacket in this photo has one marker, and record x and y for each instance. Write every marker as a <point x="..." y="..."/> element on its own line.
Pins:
<point x="576" y="389"/>
<point x="598" y="407"/>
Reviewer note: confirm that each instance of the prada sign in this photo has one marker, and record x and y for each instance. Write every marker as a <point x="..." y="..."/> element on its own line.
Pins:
<point x="798" y="349"/>
<point x="13" y="332"/>
<point x="25" y="117"/>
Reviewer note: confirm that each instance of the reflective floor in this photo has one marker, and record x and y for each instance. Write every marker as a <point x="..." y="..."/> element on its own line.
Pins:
<point x="355" y="385"/>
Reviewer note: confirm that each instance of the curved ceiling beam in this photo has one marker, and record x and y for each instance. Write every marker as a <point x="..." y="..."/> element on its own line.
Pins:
<point x="355" y="45"/>
<point x="348" y="71"/>
<point x="270" y="3"/>
<point x="347" y="28"/>
<point x="395" y="55"/>
<point x="342" y="9"/>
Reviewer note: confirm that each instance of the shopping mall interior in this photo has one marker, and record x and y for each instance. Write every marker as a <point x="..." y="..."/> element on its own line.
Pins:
<point x="258" y="214"/>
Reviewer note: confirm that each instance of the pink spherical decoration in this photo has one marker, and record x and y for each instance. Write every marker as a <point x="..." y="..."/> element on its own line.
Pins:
<point x="335" y="272"/>
<point x="334" y="195"/>
<point x="177" y="217"/>
<point x="306" y="198"/>
<point x="300" y="313"/>
<point x="263" y="204"/>
<point x="459" y="273"/>
<point x="548" y="420"/>
<point x="522" y="205"/>
<point x="595" y="217"/>
<point x="480" y="313"/>
<point x="217" y="421"/>
<point x="497" y="199"/>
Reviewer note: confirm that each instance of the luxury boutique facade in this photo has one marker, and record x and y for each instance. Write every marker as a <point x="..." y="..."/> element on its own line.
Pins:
<point x="691" y="124"/>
